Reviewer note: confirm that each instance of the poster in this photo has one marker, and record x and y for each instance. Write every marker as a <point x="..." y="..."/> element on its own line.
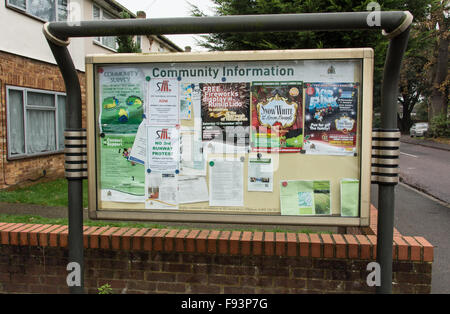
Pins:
<point x="192" y="189"/>
<point x="122" y="95"/>
<point x="277" y="117"/>
<point x="305" y="197"/>
<point x="163" y="151"/>
<point x="121" y="180"/>
<point x="193" y="156"/>
<point x="226" y="186"/>
<point x="225" y="112"/>
<point x="331" y="118"/>
<point x="349" y="197"/>
<point x="161" y="190"/>
<point x="186" y="100"/>
<point x="163" y="103"/>
<point x="260" y="174"/>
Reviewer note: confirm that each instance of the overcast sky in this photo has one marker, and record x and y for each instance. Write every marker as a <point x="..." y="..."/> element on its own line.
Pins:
<point x="170" y="8"/>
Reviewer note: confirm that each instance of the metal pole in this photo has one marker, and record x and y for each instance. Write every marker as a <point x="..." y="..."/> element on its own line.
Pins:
<point x="386" y="191"/>
<point x="75" y="185"/>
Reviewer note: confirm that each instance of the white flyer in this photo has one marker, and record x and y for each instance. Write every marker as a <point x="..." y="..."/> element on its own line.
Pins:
<point x="192" y="189"/>
<point x="163" y="150"/>
<point x="139" y="149"/>
<point x="161" y="190"/>
<point x="163" y="105"/>
<point x="260" y="174"/>
<point x="226" y="186"/>
<point x="193" y="158"/>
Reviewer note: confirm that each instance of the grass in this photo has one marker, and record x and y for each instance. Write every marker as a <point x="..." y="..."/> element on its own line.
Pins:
<point x="50" y="193"/>
<point x="54" y="193"/>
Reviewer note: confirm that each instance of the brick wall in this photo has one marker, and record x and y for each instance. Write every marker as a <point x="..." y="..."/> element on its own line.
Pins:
<point x="33" y="259"/>
<point x="24" y="72"/>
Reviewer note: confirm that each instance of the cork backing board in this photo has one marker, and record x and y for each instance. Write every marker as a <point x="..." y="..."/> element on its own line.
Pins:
<point x="308" y="66"/>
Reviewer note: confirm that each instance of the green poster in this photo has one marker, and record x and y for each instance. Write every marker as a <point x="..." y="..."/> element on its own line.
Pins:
<point x="305" y="197"/>
<point x="121" y="99"/>
<point x="349" y="197"/>
<point x="121" y="179"/>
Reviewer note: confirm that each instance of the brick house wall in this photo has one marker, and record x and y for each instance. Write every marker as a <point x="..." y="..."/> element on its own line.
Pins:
<point x="24" y="72"/>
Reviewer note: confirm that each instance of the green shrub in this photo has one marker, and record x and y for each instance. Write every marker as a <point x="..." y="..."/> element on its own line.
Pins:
<point x="440" y="126"/>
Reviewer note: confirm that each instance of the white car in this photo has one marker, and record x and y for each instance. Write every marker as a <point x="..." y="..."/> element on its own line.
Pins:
<point x="419" y="129"/>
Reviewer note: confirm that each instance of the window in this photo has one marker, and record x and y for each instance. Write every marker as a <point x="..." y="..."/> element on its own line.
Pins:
<point x="46" y="10"/>
<point x="36" y="121"/>
<point x="109" y="41"/>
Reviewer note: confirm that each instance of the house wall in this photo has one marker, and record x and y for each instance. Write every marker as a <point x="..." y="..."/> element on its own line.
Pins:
<point x="19" y="71"/>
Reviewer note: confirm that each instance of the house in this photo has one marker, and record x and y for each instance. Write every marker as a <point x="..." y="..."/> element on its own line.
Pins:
<point x="32" y="112"/>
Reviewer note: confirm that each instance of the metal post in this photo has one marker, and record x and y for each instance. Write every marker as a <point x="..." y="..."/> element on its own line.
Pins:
<point x="74" y="177"/>
<point x="386" y="190"/>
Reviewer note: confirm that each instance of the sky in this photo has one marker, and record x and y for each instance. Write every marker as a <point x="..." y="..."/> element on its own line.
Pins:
<point x="171" y="8"/>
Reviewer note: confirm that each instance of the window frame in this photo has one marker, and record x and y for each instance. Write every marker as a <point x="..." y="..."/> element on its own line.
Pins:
<point x="27" y="12"/>
<point x="99" y="40"/>
<point x="25" y="107"/>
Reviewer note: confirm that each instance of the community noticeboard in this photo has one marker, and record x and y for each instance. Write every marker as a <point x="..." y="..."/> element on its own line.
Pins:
<point x="264" y="137"/>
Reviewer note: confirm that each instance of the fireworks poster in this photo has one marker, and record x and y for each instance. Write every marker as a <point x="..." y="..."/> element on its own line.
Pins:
<point x="225" y="108"/>
<point x="277" y="117"/>
<point x="331" y="118"/>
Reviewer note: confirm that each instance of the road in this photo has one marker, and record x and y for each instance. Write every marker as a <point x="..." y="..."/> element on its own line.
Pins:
<point x="427" y="169"/>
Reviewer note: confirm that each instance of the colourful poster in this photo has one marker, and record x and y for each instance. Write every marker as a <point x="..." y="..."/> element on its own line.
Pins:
<point x="121" y="180"/>
<point x="331" y="113"/>
<point x="277" y="117"/>
<point x="225" y="111"/>
<point x="305" y="197"/>
<point x="121" y="99"/>
<point x="186" y="102"/>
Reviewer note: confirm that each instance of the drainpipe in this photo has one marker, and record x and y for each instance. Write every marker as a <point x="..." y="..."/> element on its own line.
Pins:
<point x="395" y="25"/>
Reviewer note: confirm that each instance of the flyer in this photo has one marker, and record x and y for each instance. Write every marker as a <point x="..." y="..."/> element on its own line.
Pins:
<point x="163" y="102"/>
<point x="305" y="197"/>
<point x="226" y="186"/>
<point x="122" y="95"/>
<point x="260" y="174"/>
<point x="331" y="113"/>
<point x="121" y="180"/>
<point x="193" y="157"/>
<point x="163" y="151"/>
<point x="139" y="149"/>
<point x="192" y="189"/>
<point x="277" y="117"/>
<point x="225" y="112"/>
<point x="349" y="197"/>
<point x="161" y="190"/>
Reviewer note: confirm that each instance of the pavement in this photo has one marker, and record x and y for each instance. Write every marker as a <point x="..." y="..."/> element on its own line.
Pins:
<point x="424" y="142"/>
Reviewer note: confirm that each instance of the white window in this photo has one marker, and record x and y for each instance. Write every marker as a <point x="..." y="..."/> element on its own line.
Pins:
<point x="36" y="121"/>
<point x="45" y="10"/>
<point x="109" y="41"/>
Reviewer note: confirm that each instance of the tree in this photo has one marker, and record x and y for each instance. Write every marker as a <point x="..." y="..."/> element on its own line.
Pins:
<point x="126" y="42"/>
<point x="306" y="39"/>
<point x="440" y="80"/>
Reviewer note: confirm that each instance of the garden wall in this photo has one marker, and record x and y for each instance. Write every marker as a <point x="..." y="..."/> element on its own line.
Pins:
<point x="33" y="259"/>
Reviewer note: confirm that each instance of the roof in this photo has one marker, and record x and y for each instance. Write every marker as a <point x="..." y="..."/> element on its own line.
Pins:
<point x="119" y="8"/>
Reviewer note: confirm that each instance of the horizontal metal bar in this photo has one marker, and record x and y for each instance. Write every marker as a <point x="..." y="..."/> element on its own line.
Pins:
<point x="389" y="21"/>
